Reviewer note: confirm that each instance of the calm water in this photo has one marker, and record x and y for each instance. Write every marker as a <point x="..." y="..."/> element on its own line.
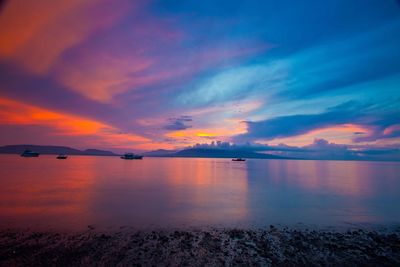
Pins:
<point x="163" y="192"/>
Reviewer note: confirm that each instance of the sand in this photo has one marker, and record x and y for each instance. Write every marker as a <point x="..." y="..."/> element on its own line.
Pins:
<point x="200" y="247"/>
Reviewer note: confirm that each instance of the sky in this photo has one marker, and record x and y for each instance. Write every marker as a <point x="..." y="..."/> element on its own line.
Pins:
<point x="144" y="75"/>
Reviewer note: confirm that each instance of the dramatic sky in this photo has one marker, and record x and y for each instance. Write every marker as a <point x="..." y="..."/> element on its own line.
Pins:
<point x="144" y="75"/>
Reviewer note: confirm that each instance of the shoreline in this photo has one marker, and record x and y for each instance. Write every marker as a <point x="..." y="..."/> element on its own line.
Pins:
<point x="272" y="246"/>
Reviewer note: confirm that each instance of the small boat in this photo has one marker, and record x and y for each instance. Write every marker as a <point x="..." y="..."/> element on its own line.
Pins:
<point x="62" y="156"/>
<point x="131" y="156"/>
<point x="29" y="154"/>
<point x="238" y="159"/>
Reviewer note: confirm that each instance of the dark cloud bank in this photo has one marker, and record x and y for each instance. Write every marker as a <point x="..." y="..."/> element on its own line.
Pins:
<point x="180" y="123"/>
<point x="319" y="149"/>
<point x="369" y="116"/>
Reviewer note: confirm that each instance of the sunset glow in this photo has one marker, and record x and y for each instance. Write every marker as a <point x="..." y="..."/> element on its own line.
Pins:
<point x="199" y="133"/>
<point x="145" y="75"/>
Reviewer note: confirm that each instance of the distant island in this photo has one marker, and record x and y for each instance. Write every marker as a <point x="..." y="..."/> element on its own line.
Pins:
<point x="211" y="153"/>
<point x="54" y="150"/>
<point x="185" y="153"/>
<point x="196" y="152"/>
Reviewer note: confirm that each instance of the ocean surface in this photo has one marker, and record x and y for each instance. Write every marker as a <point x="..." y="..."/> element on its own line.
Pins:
<point x="45" y="192"/>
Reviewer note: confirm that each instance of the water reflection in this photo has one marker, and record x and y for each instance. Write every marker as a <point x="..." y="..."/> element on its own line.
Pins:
<point x="33" y="191"/>
<point x="107" y="191"/>
<point x="171" y="192"/>
<point x="324" y="192"/>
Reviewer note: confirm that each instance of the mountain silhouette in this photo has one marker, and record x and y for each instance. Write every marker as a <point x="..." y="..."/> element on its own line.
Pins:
<point x="18" y="149"/>
<point x="213" y="153"/>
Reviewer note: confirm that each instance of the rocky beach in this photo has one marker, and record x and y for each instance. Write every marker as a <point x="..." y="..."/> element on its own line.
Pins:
<point x="273" y="246"/>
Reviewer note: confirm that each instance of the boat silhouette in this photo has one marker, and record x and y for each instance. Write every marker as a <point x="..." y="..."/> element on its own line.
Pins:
<point x="29" y="154"/>
<point x="131" y="156"/>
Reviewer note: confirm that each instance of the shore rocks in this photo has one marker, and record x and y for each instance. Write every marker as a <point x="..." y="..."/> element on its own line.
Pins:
<point x="213" y="247"/>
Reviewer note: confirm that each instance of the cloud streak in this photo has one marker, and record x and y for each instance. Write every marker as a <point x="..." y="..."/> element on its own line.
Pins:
<point x="379" y="123"/>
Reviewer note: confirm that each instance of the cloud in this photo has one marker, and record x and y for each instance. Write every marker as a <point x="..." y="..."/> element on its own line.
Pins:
<point x="102" y="49"/>
<point x="176" y="124"/>
<point x="319" y="149"/>
<point x="383" y="129"/>
<point x="328" y="68"/>
<point x="115" y="62"/>
<point x="35" y="33"/>
<point x="324" y="145"/>
<point x="323" y="149"/>
<point x="236" y="83"/>
<point x="380" y="123"/>
<point x="37" y="124"/>
<point x="250" y="147"/>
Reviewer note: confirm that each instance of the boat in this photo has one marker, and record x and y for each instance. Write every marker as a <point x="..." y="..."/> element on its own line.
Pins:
<point x="62" y="156"/>
<point x="238" y="159"/>
<point x="29" y="154"/>
<point x="131" y="156"/>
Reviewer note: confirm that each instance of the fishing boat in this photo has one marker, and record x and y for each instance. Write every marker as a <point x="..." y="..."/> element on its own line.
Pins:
<point x="62" y="156"/>
<point x="238" y="159"/>
<point x="29" y="154"/>
<point x="131" y="156"/>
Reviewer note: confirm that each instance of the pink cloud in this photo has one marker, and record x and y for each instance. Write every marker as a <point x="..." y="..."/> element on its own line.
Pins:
<point x="35" y="33"/>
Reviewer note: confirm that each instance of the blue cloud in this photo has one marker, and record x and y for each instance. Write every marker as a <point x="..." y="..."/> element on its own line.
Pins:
<point x="367" y="115"/>
<point x="176" y="124"/>
<point x="236" y="83"/>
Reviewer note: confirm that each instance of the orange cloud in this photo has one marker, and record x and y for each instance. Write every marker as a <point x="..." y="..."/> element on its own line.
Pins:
<point x="205" y="135"/>
<point x="101" y="76"/>
<point x="196" y="135"/>
<point x="227" y="122"/>
<point x="69" y="40"/>
<point x="12" y="112"/>
<point x="17" y="113"/>
<point x="34" y="33"/>
<point x="95" y="133"/>
<point x="120" y="62"/>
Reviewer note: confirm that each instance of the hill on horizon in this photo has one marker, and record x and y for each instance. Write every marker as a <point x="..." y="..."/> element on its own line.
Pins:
<point x="53" y="150"/>
<point x="212" y="153"/>
<point x="186" y="153"/>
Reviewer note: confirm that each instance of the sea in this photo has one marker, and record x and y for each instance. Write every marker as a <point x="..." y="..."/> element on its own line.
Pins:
<point x="107" y="192"/>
